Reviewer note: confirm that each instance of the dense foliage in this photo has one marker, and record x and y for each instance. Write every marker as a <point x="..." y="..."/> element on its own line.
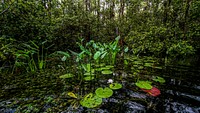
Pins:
<point x="33" y="29"/>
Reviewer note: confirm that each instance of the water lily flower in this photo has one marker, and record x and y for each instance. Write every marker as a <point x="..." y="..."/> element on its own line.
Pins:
<point x="110" y="81"/>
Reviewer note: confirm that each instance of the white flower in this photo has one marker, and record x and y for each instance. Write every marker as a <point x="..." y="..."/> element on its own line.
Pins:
<point x="110" y="81"/>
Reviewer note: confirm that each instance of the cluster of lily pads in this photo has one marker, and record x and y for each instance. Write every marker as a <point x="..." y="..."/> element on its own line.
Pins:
<point x="93" y="100"/>
<point x="146" y="86"/>
<point x="89" y="71"/>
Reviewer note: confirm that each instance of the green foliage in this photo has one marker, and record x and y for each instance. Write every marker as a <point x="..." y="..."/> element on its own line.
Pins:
<point x="30" y="57"/>
<point x="7" y="47"/>
<point x="144" y="84"/>
<point x="68" y="75"/>
<point x="181" y="48"/>
<point x="91" y="101"/>
<point x="104" y="92"/>
<point x="159" y="79"/>
<point x="106" y="72"/>
<point x="152" y="28"/>
<point x="88" y="78"/>
<point x="115" y="86"/>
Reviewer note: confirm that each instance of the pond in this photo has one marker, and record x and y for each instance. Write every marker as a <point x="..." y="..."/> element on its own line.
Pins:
<point x="49" y="91"/>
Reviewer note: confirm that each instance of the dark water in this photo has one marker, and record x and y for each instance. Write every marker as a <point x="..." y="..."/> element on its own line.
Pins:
<point x="45" y="92"/>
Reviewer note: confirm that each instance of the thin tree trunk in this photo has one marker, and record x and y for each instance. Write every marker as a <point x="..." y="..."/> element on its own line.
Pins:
<point x="186" y="16"/>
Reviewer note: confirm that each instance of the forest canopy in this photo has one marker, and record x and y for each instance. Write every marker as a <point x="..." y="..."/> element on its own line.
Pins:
<point x="147" y="27"/>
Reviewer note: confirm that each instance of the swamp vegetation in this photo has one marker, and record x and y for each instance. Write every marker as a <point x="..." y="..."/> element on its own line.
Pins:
<point x="99" y="56"/>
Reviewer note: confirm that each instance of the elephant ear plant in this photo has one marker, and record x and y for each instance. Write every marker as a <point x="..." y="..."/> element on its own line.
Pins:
<point x="114" y="49"/>
<point x="106" y="51"/>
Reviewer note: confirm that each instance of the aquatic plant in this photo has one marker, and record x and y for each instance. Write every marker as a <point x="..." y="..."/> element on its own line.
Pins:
<point x="68" y="75"/>
<point x="106" y="72"/>
<point x="115" y="86"/>
<point x="25" y="57"/>
<point x="88" y="78"/>
<point x="158" y="79"/>
<point x="104" y="92"/>
<point x="153" y="91"/>
<point x="65" y="56"/>
<point x="144" y="84"/>
<point x="91" y="101"/>
<point x="87" y="68"/>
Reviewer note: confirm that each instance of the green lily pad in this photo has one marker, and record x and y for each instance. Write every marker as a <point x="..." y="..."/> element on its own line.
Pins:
<point x="102" y="68"/>
<point x="159" y="79"/>
<point x="115" y="86"/>
<point x="109" y="66"/>
<point x="91" y="101"/>
<point x="137" y="62"/>
<point x="106" y="72"/>
<point x="88" y="78"/>
<point x="98" y="69"/>
<point x="148" y="64"/>
<point x="144" y="84"/>
<point x="104" y="93"/>
<point x="68" y="75"/>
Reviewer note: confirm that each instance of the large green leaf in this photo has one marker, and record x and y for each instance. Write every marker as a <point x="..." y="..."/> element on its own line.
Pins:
<point x="115" y="86"/>
<point x="68" y="75"/>
<point x="144" y="84"/>
<point x="91" y="101"/>
<point x="104" y="93"/>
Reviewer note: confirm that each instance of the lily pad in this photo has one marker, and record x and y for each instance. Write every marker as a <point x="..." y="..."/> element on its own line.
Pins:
<point x="109" y="66"/>
<point x="137" y="62"/>
<point x="115" y="86"/>
<point x="159" y="79"/>
<point x="102" y="68"/>
<point x="106" y="72"/>
<point x="88" y="78"/>
<point x="98" y="69"/>
<point x="91" y="101"/>
<point x="153" y="92"/>
<point x="148" y="64"/>
<point x="104" y="93"/>
<point x="144" y="84"/>
<point x="68" y="75"/>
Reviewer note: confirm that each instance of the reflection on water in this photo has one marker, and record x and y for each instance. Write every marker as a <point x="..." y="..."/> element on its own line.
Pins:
<point x="39" y="93"/>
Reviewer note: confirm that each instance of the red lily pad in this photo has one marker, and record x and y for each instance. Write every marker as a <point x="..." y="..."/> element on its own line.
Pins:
<point x="153" y="92"/>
